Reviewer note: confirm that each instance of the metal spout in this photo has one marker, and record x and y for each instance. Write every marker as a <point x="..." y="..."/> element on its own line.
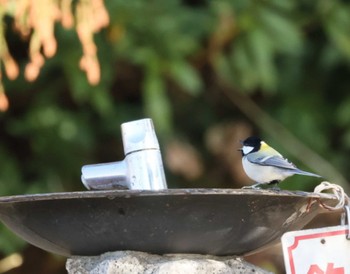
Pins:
<point x="105" y="176"/>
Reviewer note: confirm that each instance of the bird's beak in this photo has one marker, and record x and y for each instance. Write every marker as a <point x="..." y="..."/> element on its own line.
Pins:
<point x="241" y="142"/>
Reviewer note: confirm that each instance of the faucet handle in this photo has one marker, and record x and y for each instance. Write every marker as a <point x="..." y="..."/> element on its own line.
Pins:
<point x="139" y="135"/>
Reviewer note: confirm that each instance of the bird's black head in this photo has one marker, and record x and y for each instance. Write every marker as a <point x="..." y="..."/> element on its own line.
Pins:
<point x="251" y="144"/>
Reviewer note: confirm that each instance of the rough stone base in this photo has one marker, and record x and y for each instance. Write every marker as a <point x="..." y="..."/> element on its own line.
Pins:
<point x="123" y="262"/>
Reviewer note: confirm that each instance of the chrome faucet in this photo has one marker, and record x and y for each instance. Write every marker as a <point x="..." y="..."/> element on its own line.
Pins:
<point x="142" y="167"/>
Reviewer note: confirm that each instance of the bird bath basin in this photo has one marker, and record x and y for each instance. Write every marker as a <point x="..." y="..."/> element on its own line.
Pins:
<point x="204" y="221"/>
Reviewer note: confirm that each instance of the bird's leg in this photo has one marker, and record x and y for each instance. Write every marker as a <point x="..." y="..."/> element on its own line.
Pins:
<point x="274" y="185"/>
<point x="255" y="186"/>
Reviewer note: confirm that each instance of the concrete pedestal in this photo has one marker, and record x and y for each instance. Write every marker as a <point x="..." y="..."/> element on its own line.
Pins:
<point x="123" y="262"/>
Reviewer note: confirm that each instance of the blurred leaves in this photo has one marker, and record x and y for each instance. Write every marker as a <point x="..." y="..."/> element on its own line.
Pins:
<point x="337" y="25"/>
<point x="156" y="102"/>
<point x="265" y="30"/>
<point x="186" y="76"/>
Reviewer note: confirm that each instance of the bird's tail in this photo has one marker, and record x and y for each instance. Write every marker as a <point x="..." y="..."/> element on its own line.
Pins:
<point x="302" y="172"/>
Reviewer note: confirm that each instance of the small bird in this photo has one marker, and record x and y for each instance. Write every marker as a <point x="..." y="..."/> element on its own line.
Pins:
<point x="265" y="165"/>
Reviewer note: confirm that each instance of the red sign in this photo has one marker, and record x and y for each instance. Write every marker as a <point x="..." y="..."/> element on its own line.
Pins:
<point x="317" y="251"/>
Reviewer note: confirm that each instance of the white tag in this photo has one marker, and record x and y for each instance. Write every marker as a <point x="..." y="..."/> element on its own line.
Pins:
<point x="317" y="251"/>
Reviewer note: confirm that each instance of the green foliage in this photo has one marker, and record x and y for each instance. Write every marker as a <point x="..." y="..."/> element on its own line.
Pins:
<point x="166" y="60"/>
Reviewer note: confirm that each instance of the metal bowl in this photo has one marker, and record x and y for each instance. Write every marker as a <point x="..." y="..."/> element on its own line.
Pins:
<point x="204" y="221"/>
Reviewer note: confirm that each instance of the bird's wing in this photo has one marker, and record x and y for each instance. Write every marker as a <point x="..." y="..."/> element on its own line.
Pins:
<point x="276" y="161"/>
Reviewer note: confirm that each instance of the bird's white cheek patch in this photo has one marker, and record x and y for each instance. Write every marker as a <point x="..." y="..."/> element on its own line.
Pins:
<point x="247" y="149"/>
